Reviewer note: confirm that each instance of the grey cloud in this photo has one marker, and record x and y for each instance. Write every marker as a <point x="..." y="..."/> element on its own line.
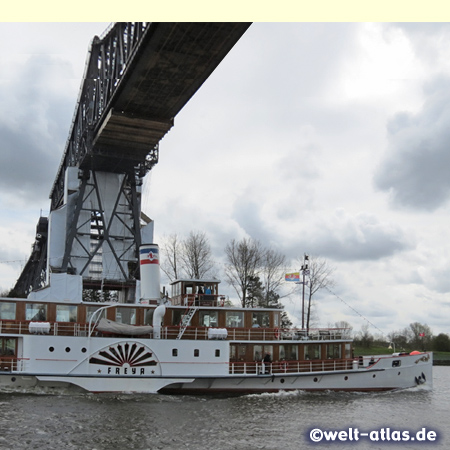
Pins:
<point x="438" y="279"/>
<point x="425" y="37"/>
<point x="442" y="284"/>
<point x="275" y="74"/>
<point x="247" y="213"/>
<point x="301" y="164"/>
<point x="34" y="126"/>
<point x="341" y="236"/>
<point x="350" y="238"/>
<point x="25" y="170"/>
<point x="415" y="171"/>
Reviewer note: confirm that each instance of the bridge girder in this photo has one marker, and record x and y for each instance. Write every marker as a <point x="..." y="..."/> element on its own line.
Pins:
<point x="138" y="76"/>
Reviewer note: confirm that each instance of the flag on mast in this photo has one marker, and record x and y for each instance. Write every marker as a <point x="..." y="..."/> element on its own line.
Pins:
<point x="292" y="277"/>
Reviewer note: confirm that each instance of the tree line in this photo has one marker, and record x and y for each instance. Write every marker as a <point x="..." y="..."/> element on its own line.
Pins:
<point x="255" y="272"/>
<point x="416" y="336"/>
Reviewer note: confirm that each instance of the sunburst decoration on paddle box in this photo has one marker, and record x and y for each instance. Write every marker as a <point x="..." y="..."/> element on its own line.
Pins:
<point x="131" y="353"/>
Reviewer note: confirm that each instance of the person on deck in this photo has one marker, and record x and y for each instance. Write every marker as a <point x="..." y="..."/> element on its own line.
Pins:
<point x="266" y="362"/>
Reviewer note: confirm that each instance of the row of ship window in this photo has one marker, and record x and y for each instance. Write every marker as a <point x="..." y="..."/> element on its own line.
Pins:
<point x="68" y="313"/>
<point x="174" y="351"/>
<point x="196" y="352"/>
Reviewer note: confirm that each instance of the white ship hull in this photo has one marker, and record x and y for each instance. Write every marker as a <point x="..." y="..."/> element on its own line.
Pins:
<point x="136" y="365"/>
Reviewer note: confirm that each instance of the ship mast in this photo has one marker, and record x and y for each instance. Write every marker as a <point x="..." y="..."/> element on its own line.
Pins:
<point x="305" y="271"/>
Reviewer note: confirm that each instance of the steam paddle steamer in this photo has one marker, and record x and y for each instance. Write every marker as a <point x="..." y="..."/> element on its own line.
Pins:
<point x="190" y="342"/>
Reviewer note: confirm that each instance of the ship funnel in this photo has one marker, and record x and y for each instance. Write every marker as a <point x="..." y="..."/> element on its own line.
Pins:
<point x="150" y="276"/>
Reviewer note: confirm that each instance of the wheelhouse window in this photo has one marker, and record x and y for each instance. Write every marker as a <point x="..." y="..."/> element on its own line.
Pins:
<point x="36" y="312"/>
<point x="176" y="289"/>
<point x="333" y="351"/>
<point x="208" y="319"/>
<point x="66" y="313"/>
<point x="260" y="319"/>
<point x="312" y="351"/>
<point x="276" y="320"/>
<point x="126" y="315"/>
<point x="289" y="352"/>
<point x="7" y="311"/>
<point x="234" y="319"/>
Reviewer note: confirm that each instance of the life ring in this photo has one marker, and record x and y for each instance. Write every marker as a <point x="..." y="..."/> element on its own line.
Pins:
<point x="276" y="332"/>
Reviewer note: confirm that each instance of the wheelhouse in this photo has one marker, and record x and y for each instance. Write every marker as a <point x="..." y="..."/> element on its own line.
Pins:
<point x="186" y="292"/>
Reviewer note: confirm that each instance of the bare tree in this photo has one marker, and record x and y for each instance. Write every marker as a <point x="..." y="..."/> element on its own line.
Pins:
<point x="441" y="343"/>
<point x="400" y="338"/>
<point x="364" y="336"/>
<point x="196" y="256"/>
<point x="421" y="335"/>
<point x="170" y="252"/>
<point x="244" y="259"/>
<point x="273" y="271"/>
<point x="319" y="274"/>
<point x="414" y="337"/>
<point x="190" y="257"/>
<point x="345" y="327"/>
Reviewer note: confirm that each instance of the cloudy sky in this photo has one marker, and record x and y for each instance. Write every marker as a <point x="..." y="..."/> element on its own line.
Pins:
<point x="324" y="138"/>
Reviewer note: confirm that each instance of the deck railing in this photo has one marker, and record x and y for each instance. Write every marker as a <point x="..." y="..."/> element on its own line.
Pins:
<point x="259" y="334"/>
<point x="280" y="367"/>
<point x="9" y="363"/>
<point x="214" y="300"/>
<point x="192" y="333"/>
<point x="56" y="328"/>
<point x="13" y="364"/>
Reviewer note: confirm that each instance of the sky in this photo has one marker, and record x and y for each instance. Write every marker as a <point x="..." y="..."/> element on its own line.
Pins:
<point x="330" y="139"/>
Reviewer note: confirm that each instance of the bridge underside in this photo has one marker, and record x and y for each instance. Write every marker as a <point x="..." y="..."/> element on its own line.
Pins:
<point x="137" y="78"/>
<point x="170" y="65"/>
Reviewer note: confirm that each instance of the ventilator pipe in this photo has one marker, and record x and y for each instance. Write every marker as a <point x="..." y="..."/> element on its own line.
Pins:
<point x="158" y="316"/>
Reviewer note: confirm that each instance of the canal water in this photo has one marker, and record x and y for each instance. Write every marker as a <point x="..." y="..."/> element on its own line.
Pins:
<point x="64" y="420"/>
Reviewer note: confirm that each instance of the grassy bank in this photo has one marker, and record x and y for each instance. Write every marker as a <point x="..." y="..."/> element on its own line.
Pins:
<point x="369" y="351"/>
<point x="364" y="351"/>
<point x="441" y="356"/>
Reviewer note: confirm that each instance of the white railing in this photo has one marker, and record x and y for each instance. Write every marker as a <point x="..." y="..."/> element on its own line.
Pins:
<point x="56" y="328"/>
<point x="280" y="367"/>
<point x="172" y="332"/>
<point x="290" y="367"/>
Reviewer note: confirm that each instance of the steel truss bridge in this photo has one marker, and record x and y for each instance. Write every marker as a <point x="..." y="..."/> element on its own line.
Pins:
<point x="138" y="76"/>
